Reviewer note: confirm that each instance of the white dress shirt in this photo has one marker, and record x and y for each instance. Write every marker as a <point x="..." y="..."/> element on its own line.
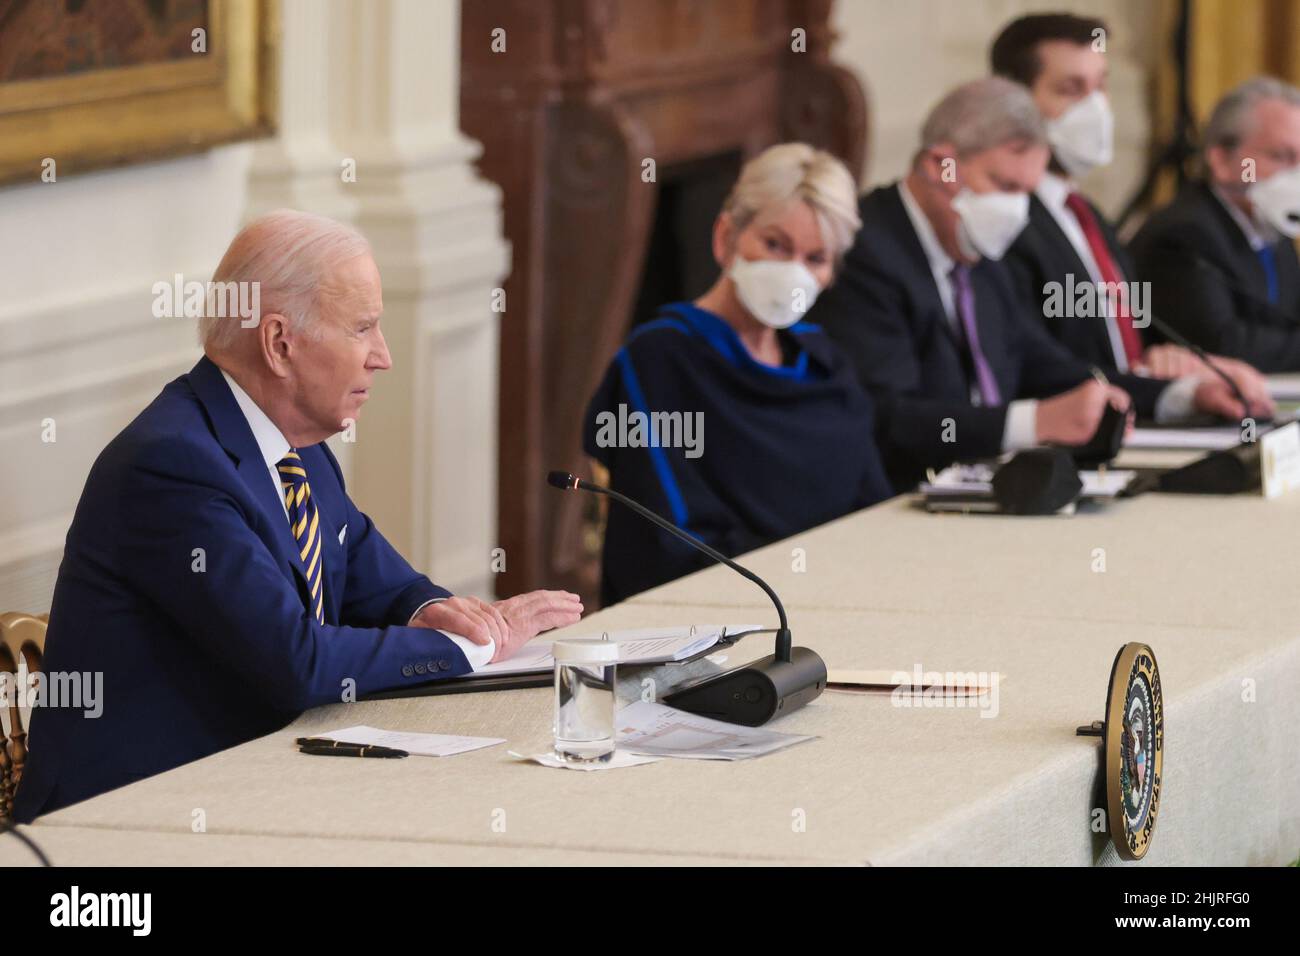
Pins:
<point x="1053" y="191"/>
<point x="1021" y="428"/>
<point x="1178" y="400"/>
<point x="270" y="441"/>
<point x="274" y="446"/>
<point x="1258" y="236"/>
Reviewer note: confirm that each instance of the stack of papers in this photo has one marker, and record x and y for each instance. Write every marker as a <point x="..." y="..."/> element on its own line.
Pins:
<point x="646" y="732"/>
<point x="1213" y="438"/>
<point x="661" y="645"/>
<point x="974" y="482"/>
<point x="1284" y="388"/>
<point x="658" y="731"/>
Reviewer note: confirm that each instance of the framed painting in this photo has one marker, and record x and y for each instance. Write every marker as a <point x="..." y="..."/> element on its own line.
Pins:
<point x="92" y="83"/>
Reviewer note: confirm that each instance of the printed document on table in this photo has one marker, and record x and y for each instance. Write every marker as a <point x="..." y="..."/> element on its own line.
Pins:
<point x="659" y="731"/>
<point x="1214" y="438"/>
<point x="423" y="745"/>
<point x="1284" y="388"/>
<point x="977" y="479"/>
<point x="657" y="645"/>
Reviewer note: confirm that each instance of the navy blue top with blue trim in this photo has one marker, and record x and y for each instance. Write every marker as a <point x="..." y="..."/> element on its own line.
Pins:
<point x="746" y="453"/>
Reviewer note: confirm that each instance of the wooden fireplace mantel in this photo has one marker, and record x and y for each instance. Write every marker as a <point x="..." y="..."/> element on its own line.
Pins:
<point x="583" y="94"/>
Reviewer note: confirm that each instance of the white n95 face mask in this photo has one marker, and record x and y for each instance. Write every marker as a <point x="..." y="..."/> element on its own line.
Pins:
<point x="990" y="221"/>
<point x="1277" y="201"/>
<point x="775" y="292"/>
<point x="1083" y="137"/>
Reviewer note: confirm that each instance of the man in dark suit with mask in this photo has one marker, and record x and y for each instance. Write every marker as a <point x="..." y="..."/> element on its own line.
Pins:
<point x="1221" y="258"/>
<point x="934" y="323"/>
<point x="1069" y="262"/>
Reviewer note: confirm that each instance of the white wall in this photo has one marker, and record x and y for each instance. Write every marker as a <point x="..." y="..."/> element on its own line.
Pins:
<point x="79" y="257"/>
<point x="78" y="341"/>
<point x="909" y="54"/>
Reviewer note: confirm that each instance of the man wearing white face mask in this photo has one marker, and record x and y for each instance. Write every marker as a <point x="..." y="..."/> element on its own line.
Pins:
<point x="933" y="322"/>
<point x="789" y="441"/>
<point x="1221" y="257"/>
<point x="1069" y="247"/>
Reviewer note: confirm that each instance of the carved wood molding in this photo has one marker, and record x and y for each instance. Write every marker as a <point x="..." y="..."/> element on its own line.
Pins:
<point x="583" y="92"/>
<point x="598" y="213"/>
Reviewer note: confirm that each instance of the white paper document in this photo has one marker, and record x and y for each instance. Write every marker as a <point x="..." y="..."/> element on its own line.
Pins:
<point x="1105" y="484"/>
<point x="1284" y="388"/>
<point x="620" y="759"/>
<point x="422" y="745"/>
<point x="657" y="645"/>
<point x="977" y="479"/>
<point x="656" y="730"/>
<point x="973" y="479"/>
<point x="1213" y="438"/>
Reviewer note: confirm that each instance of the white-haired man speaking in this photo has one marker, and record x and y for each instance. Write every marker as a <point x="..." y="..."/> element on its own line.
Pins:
<point x="216" y="572"/>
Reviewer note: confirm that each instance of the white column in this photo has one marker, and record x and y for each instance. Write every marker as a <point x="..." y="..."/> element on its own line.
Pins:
<point x="424" y="462"/>
<point x="301" y="167"/>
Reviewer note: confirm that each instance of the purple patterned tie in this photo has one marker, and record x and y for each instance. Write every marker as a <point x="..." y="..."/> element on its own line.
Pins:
<point x="965" y="296"/>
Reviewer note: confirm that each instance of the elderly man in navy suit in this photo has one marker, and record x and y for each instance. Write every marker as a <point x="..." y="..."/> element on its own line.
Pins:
<point x="216" y="572"/>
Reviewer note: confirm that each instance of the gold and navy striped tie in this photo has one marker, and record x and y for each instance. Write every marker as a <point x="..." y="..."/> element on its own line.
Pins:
<point x="304" y="522"/>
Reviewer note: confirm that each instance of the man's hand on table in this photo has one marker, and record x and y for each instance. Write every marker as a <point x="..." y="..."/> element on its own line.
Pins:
<point x="1173" y="361"/>
<point x="1072" y="417"/>
<point x="527" y="615"/>
<point x="510" y="623"/>
<point x="1215" y="396"/>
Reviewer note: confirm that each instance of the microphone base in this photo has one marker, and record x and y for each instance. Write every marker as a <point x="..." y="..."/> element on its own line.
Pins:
<point x="1232" y="471"/>
<point x="754" y="694"/>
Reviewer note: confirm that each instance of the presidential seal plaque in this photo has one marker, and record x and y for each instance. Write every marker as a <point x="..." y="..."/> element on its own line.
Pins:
<point x="1133" y="738"/>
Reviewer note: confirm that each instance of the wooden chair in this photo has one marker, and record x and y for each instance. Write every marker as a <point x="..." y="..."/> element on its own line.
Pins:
<point x="22" y="638"/>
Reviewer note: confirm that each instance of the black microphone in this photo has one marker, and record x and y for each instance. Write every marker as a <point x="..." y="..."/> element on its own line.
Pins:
<point x="1229" y="471"/>
<point x="750" y="695"/>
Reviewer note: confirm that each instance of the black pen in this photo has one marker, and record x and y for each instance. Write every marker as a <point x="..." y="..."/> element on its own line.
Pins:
<point x="326" y="742"/>
<point x="343" y="750"/>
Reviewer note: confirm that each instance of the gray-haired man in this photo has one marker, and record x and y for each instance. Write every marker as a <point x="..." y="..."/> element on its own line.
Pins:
<point x="939" y="332"/>
<point x="1220" y="258"/>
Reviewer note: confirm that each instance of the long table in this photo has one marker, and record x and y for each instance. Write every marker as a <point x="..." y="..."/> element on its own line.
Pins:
<point x="1209" y="583"/>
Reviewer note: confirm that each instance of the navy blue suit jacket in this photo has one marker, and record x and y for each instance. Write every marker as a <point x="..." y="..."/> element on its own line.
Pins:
<point x="885" y="312"/>
<point x="1208" y="282"/>
<point x="1042" y="254"/>
<point x="202" y="650"/>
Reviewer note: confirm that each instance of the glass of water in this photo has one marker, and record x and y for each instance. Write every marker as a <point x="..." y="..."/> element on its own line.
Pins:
<point x="585" y="690"/>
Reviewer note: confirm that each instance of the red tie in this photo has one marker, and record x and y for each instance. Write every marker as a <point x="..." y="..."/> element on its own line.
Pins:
<point x="1110" y="273"/>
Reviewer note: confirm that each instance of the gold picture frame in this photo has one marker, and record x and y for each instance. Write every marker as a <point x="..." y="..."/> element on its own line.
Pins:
<point x="97" y="118"/>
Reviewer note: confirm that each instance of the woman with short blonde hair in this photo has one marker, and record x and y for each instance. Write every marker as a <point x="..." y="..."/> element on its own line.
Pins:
<point x="781" y="435"/>
<point x="796" y="170"/>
